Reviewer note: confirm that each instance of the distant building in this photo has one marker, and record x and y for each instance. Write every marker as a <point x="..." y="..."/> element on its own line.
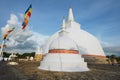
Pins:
<point x="38" y="54"/>
<point x="88" y="45"/>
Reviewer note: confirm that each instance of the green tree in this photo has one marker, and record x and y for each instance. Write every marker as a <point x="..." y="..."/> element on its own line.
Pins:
<point x="113" y="57"/>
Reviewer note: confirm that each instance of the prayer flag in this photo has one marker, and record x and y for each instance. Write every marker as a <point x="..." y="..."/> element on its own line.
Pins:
<point x="8" y="32"/>
<point x="27" y="17"/>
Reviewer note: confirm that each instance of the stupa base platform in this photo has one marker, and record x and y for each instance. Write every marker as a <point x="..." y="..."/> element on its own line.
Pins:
<point x="64" y="63"/>
<point x="96" y="59"/>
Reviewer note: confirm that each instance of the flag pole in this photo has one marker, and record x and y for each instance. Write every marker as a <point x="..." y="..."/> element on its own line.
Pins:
<point x="1" y="54"/>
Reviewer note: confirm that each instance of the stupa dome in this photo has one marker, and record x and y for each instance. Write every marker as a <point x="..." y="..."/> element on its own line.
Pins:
<point x="63" y="55"/>
<point x="64" y="43"/>
<point x="88" y="45"/>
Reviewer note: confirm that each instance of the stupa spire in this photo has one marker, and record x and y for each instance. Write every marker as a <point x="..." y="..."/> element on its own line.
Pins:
<point x="70" y="15"/>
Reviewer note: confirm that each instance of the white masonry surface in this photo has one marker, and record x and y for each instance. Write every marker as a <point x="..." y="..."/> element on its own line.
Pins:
<point x="87" y="43"/>
<point x="66" y="62"/>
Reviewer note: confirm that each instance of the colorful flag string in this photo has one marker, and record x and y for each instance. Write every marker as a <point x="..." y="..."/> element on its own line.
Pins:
<point x="27" y="17"/>
<point x="8" y="32"/>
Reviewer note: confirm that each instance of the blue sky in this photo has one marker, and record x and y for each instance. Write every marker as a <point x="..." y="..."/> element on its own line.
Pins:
<point x="98" y="17"/>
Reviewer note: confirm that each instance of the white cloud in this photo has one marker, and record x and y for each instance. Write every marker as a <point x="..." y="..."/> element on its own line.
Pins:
<point x="105" y="44"/>
<point x="21" y="36"/>
<point x="22" y="41"/>
<point x="13" y="20"/>
<point x="21" y="15"/>
<point x="112" y="50"/>
<point x="38" y="38"/>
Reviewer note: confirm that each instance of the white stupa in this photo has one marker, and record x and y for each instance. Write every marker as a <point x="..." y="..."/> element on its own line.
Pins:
<point x="88" y="45"/>
<point x="38" y="53"/>
<point x="38" y="50"/>
<point x="63" y="55"/>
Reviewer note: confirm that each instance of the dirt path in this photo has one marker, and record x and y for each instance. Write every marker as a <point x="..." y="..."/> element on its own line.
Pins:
<point x="97" y="72"/>
<point x="8" y="72"/>
<point x="29" y="71"/>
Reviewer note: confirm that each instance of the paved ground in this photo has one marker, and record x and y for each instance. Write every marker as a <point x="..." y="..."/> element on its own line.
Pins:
<point x="29" y="71"/>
